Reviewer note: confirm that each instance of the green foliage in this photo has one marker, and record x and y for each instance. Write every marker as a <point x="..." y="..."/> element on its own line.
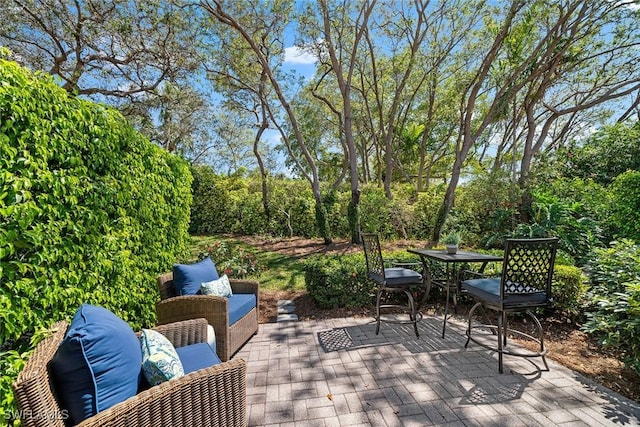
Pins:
<point x="486" y="208"/>
<point x="90" y="211"/>
<point x="338" y="281"/>
<point x="452" y="238"/>
<point x="568" y="290"/>
<point x="552" y="217"/>
<point x="233" y="204"/>
<point x="626" y="207"/>
<point x="375" y="212"/>
<point x="322" y="221"/>
<point x="614" y="315"/>
<point x="424" y="210"/>
<point x="585" y="198"/>
<point x="232" y="260"/>
<point x="341" y="280"/>
<point x="608" y="153"/>
<point x="212" y="211"/>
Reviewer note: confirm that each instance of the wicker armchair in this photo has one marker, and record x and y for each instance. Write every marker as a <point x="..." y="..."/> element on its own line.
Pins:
<point x="229" y="338"/>
<point x="214" y="396"/>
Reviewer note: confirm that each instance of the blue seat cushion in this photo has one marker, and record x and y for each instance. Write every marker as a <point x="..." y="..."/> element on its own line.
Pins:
<point x="197" y="356"/>
<point x="397" y="276"/>
<point x="485" y="289"/>
<point x="240" y="305"/>
<point x="488" y="290"/>
<point x="97" y="365"/>
<point x="187" y="278"/>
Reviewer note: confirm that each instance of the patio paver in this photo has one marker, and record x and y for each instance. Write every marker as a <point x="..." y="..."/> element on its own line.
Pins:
<point x="337" y="372"/>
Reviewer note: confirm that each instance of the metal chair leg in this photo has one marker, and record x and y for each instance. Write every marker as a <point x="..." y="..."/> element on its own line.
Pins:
<point x="378" y="311"/>
<point x="473" y="309"/>
<point x="542" y="351"/>
<point x="413" y="315"/>
<point x="446" y="313"/>
<point x="500" y="342"/>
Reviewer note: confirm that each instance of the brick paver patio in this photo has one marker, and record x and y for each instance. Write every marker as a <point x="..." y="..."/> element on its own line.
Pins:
<point x="337" y="372"/>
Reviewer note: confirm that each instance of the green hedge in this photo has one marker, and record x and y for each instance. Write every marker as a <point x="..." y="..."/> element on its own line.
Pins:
<point x="338" y="281"/>
<point x="341" y="281"/>
<point x="568" y="290"/>
<point x="91" y="211"/>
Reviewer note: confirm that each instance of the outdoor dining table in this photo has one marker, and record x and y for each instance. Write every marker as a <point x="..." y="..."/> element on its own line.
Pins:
<point x="450" y="282"/>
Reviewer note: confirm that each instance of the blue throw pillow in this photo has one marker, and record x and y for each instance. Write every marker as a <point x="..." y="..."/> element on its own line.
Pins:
<point x="98" y="364"/>
<point x="187" y="278"/>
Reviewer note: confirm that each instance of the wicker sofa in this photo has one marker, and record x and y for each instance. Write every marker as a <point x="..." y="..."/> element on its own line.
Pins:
<point x="214" y="396"/>
<point x="229" y="338"/>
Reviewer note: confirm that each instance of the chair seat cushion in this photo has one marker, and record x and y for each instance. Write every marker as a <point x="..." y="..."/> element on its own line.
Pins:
<point x="98" y="364"/>
<point x="197" y="356"/>
<point x="240" y="305"/>
<point x="399" y="276"/>
<point x="187" y="278"/>
<point x="488" y="290"/>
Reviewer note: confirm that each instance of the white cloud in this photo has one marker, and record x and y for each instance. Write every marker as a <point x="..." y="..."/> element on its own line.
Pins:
<point x="295" y="55"/>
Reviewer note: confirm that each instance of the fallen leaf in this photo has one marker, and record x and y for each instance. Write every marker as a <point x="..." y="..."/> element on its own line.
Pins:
<point x="330" y="396"/>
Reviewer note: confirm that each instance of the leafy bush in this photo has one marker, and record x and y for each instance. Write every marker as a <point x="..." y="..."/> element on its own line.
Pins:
<point x="212" y="211"/>
<point x="585" y="198"/>
<point x="341" y="280"/>
<point x="614" y="315"/>
<point x="626" y="206"/>
<point x="609" y="152"/>
<point x="485" y="206"/>
<point x="338" y="281"/>
<point x="233" y="260"/>
<point x="551" y="217"/>
<point x="568" y="290"/>
<point x="376" y="212"/>
<point x="90" y="211"/>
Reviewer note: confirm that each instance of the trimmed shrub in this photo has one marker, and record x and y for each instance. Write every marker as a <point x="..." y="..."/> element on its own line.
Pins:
<point x="339" y="281"/>
<point x="568" y="290"/>
<point x="91" y="211"/>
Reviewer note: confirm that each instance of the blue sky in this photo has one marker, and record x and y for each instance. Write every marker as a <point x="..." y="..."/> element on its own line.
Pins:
<point x="304" y="64"/>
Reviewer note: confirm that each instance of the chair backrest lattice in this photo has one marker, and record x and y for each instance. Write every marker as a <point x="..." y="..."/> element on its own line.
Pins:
<point x="373" y="254"/>
<point x="528" y="266"/>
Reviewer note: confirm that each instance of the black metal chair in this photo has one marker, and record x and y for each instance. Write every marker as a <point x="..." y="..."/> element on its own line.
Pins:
<point x="525" y="284"/>
<point x="390" y="280"/>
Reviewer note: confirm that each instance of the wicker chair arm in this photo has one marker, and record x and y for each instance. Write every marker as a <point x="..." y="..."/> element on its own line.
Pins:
<point x="214" y="396"/>
<point x="32" y="388"/>
<point x="185" y="332"/>
<point x="214" y="309"/>
<point x="191" y="307"/>
<point x="241" y="286"/>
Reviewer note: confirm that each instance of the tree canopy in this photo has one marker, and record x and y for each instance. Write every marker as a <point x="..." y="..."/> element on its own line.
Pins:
<point x="419" y="92"/>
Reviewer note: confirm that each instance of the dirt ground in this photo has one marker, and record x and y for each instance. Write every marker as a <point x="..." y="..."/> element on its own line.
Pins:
<point x="566" y="344"/>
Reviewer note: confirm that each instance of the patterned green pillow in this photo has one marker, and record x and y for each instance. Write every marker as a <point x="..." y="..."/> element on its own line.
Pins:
<point x="160" y="361"/>
<point x="220" y="287"/>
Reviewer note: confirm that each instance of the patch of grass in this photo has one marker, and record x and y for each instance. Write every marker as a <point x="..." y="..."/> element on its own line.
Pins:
<point x="280" y="272"/>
